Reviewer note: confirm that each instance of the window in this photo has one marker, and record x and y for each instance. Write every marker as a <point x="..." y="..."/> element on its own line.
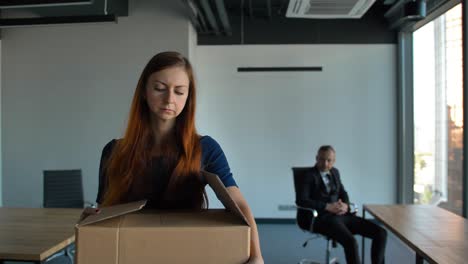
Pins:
<point x="438" y="112"/>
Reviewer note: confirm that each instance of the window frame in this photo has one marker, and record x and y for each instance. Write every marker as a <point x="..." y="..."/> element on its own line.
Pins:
<point x="405" y="96"/>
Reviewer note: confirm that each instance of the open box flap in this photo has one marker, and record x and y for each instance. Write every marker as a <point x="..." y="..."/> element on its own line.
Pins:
<point x="223" y="195"/>
<point x="113" y="211"/>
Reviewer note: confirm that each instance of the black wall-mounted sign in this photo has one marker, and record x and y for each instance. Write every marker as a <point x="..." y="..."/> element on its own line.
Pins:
<point x="278" y="69"/>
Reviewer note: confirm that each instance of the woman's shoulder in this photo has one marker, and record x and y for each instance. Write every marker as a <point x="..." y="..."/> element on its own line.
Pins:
<point x="110" y="146"/>
<point x="209" y="144"/>
<point x="207" y="140"/>
<point x="210" y="149"/>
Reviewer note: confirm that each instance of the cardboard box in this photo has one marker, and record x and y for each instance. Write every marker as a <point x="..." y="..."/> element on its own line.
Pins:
<point x="123" y="234"/>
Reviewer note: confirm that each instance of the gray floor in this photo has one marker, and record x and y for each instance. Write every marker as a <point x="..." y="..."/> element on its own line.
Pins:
<point x="282" y="244"/>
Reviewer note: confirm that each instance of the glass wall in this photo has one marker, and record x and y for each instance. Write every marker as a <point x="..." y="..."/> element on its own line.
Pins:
<point x="438" y="112"/>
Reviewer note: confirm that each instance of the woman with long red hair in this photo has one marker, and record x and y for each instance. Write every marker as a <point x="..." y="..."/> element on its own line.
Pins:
<point x="161" y="154"/>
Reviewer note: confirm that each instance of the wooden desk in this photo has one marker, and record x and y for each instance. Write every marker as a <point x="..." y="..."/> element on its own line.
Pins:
<point x="34" y="234"/>
<point x="435" y="234"/>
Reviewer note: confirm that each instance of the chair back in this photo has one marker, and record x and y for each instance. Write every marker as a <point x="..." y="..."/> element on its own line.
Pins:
<point x="63" y="189"/>
<point x="298" y="176"/>
<point x="303" y="217"/>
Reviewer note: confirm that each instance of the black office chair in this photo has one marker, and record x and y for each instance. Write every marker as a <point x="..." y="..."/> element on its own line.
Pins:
<point x="298" y="175"/>
<point x="63" y="189"/>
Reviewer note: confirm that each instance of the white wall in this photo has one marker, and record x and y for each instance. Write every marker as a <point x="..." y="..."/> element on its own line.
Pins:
<point x="67" y="91"/>
<point x="268" y="122"/>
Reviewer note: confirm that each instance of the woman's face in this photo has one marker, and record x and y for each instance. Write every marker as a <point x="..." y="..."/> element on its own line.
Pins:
<point x="167" y="92"/>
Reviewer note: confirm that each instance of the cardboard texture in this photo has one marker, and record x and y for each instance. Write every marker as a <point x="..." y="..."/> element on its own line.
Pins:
<point x="123" y="234"/>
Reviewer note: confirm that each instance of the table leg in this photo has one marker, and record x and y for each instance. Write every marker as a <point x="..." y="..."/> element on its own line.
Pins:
<point x="363" y="245"/>
<point x="419" y="259"/>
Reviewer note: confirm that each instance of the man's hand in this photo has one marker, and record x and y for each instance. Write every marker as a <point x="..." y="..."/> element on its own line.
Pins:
<point x="338" y="208"/>
<point x="333" y="208"/>
<point x="343" y="207"/>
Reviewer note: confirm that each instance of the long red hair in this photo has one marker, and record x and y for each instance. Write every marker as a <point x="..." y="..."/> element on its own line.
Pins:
<point x="131" y="155"/>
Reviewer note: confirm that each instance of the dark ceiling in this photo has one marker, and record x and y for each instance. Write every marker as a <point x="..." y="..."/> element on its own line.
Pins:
<point x="229" y="22"/>
<point x="264" y="22"/>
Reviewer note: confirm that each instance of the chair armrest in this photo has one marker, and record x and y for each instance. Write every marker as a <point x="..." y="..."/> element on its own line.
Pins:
<point x="314" y="215"/>
<point x="314" y="212"/>
<point x="353" y="208"/>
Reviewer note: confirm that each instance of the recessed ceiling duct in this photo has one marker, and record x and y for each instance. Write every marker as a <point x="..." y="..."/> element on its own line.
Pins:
<point x="328" y="9"/>
<point x="24" y="13"/>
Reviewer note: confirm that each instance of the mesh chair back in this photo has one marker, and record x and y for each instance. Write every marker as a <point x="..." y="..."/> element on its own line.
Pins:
<point x="63" y="189"/>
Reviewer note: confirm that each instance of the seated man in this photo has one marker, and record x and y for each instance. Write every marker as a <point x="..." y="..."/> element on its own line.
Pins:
<point x="323" y="191"/>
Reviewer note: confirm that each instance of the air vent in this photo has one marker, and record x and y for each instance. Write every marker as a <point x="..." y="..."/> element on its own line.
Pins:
<point x="323" y="9"/>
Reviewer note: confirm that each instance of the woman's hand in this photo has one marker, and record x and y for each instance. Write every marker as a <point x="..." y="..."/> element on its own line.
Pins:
<point x="255" y="260"/>
<point x="89" y="211"/>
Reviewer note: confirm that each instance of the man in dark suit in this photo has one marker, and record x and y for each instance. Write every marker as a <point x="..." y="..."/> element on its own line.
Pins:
<point x="323" y="191"/>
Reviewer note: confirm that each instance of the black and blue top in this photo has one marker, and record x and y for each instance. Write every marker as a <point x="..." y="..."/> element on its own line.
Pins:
<point x="153" y="183"/>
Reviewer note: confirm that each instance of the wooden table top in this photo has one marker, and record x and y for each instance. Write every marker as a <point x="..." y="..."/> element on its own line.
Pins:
<point x="438" y="235"/>
<point x="35" y="233"/>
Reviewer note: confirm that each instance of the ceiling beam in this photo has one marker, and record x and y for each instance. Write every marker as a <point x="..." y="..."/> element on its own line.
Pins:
<point x="210" y="16"/>
<point x="223" y="17"/>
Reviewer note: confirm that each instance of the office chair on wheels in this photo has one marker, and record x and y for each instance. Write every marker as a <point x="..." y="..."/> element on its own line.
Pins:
<point x="63" y="189"/>
<point x="298" y="175"/>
